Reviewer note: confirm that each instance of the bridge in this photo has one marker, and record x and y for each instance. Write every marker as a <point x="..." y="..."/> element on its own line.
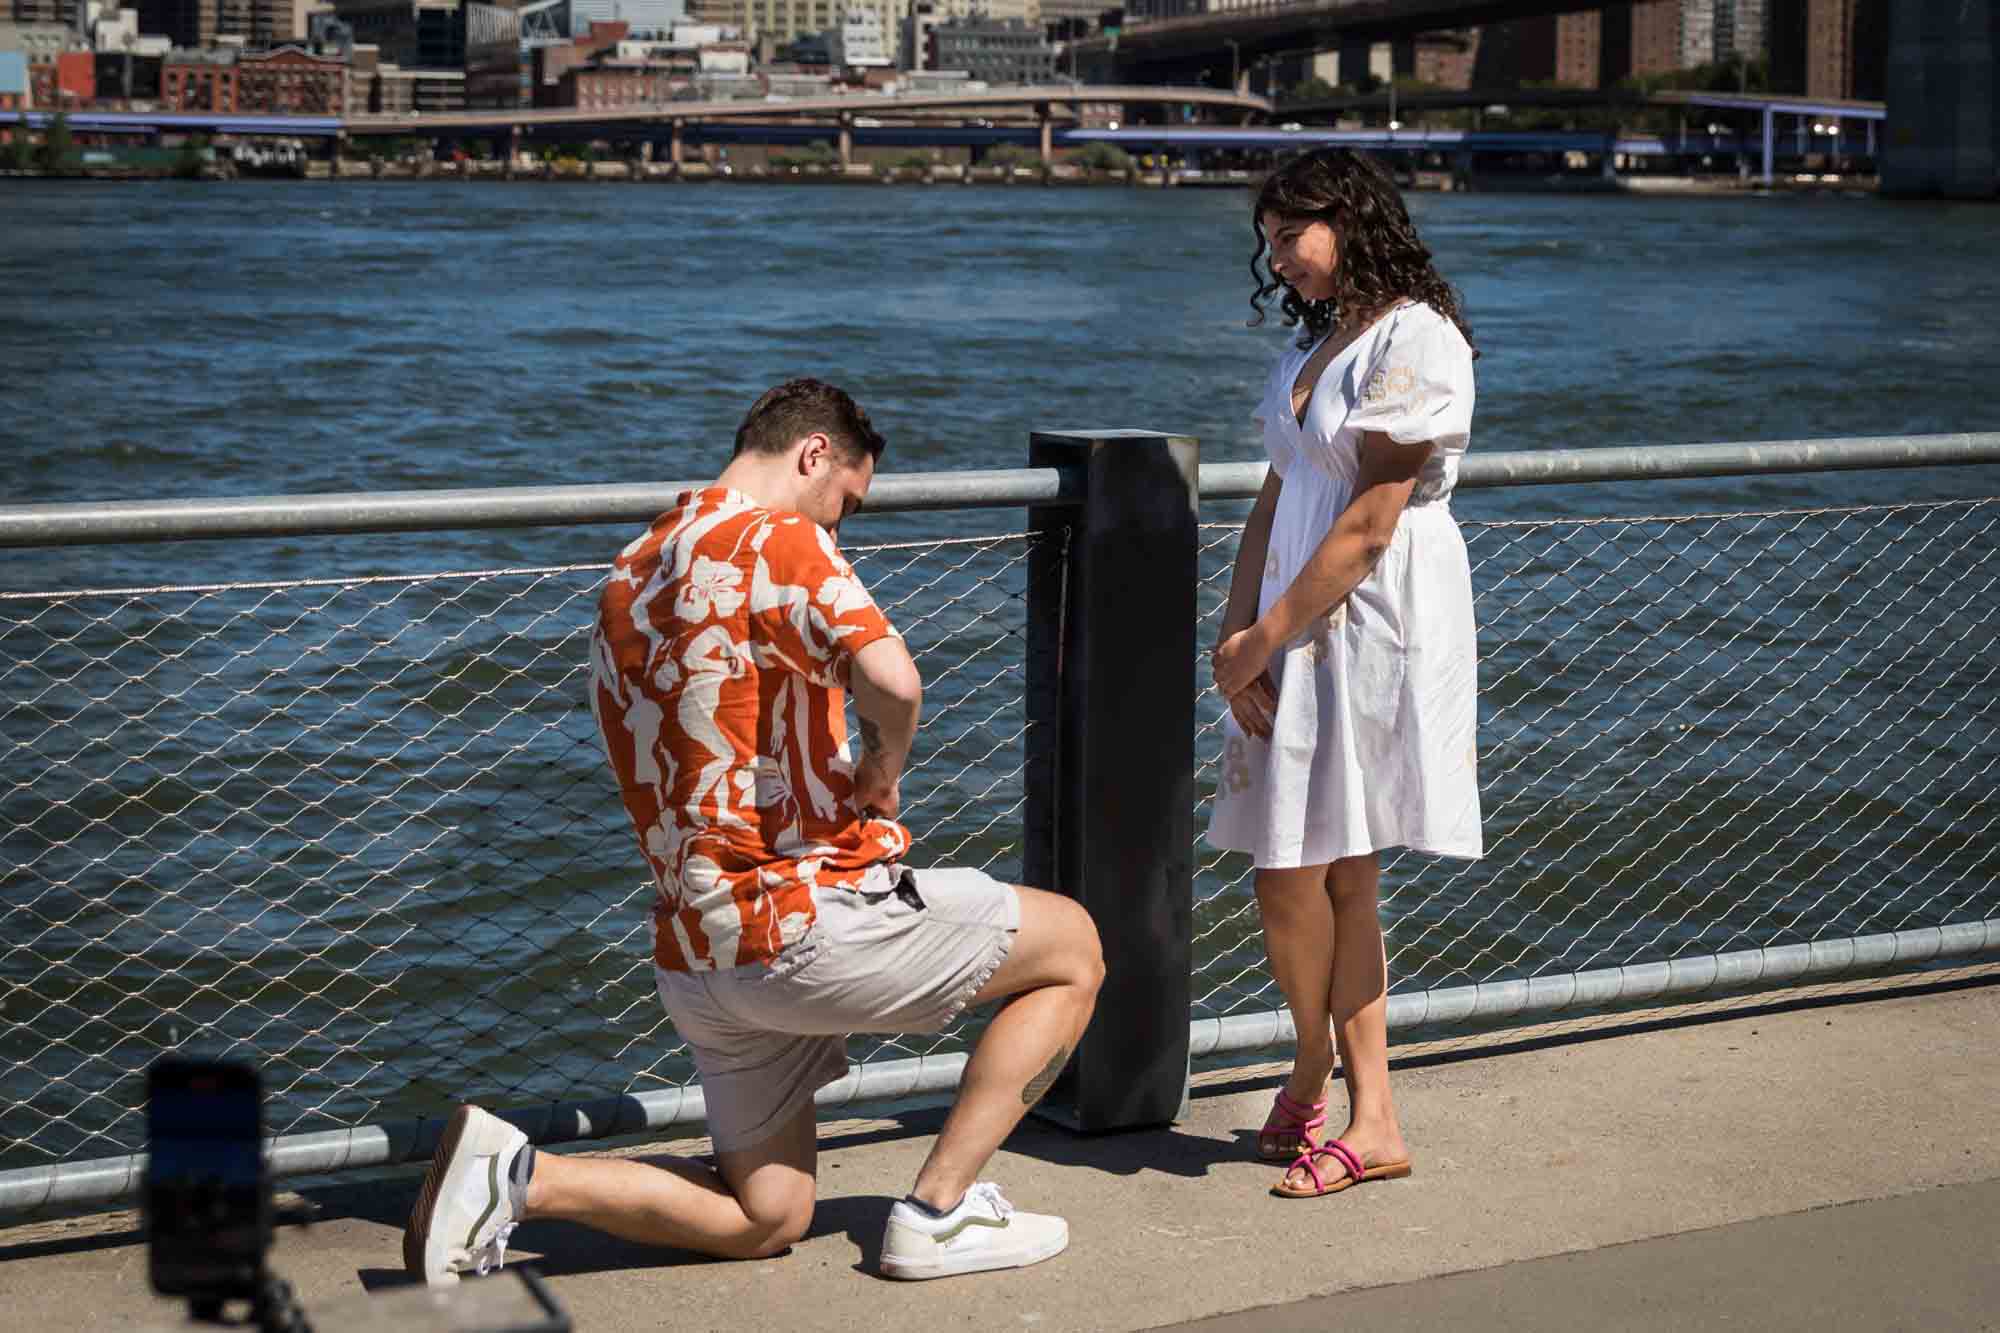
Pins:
<point x="1241" y="33"/>
<point x="839" y="116"/>
<point x="848" y="121"/>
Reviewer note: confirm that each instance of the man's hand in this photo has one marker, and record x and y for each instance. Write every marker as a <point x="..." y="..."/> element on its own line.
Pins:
<point x="877" y="786"/>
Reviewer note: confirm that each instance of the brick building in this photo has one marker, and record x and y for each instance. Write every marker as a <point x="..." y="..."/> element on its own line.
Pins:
<point x="1445" y="59"/>
<point x="1579" y="49"/>
<point x="69" y="80"/>
<point x="1656" y="45"/>
<point x="612" y="85"/>
<point x="199" y="81"/>
<point x="552" y="63"/>
<point x="291" y="80"/>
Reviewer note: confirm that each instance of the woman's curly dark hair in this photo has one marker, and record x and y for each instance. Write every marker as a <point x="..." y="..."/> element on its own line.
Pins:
<point x="1381" y="259"/>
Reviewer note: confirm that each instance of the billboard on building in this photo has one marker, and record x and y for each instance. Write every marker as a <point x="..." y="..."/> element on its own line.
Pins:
<point x="492" y="55"/>
<point x="13" y="79"/>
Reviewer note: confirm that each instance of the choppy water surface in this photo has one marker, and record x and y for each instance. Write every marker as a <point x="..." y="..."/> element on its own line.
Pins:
<point x="361" y="828"/>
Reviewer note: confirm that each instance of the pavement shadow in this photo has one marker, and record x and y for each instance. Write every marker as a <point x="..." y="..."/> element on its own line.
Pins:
<point x="563" y="1249"/>
<point x="46" y="1246"/>
<point x="1165" y="1150"/>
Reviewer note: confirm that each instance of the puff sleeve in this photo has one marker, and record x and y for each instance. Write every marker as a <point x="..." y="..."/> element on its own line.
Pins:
<point x="1419" y="388"/>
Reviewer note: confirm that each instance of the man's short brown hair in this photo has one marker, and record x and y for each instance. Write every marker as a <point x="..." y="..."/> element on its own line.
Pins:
<point x="800" y="407"/>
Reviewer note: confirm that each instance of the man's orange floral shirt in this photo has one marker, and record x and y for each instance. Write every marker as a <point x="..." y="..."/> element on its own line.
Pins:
<point x="724" y="639"/>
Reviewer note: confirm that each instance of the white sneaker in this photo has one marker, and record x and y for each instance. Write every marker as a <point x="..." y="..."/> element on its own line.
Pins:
<point x="984" y="1232"/>
<point x="465" y="1212"/>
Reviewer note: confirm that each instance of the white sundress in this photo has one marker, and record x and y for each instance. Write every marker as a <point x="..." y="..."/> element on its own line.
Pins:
<point x="1374" y="744"/>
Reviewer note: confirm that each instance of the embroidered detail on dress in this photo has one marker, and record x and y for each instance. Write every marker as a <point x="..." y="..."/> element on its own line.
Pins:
<point x="1236" y="765"/>
<point x="1394" y="382"/>
<point x="1321" y="646"/>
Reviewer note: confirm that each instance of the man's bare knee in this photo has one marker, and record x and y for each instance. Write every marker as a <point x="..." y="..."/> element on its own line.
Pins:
<point x="1085" y="955"/>
<point x="1074" y="949"/>
<point x="783" y="1236"/>
<point x="776" y="1225"/>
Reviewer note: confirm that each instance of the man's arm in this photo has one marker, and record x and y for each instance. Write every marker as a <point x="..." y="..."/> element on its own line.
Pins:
<point x="888" y="697"/>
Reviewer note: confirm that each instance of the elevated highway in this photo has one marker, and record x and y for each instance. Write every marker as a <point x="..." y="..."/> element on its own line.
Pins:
<point x="942" y="119"/>
<point x="1031" y="101"/>
<point x="1040" y="100"/>
<point x="1271" y="27"/>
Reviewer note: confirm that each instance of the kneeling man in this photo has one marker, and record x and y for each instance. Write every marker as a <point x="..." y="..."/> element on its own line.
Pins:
<point x="727" y="637"/>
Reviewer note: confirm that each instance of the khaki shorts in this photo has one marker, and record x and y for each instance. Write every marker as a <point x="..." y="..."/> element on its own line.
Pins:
<point x="909" y="958"/>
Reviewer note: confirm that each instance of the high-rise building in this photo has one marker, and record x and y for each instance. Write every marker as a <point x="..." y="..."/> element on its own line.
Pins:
<point x="996" y="51"/>
<point x="785" y="21"/>
<point x="1830" y="48"/>
<point x="861" y="42"/>
<point x="1697" y="32"/>
<point x="1656" y="37"/>
<point x="648" y="18"/>
<point x="1742" y="30"/>
<point x="1565" y="49"/>
<point x="1579" y="55"/>
<point x="197" y="23"/>
<point x="1445" y="59"/>
<point x="69" y="13"/>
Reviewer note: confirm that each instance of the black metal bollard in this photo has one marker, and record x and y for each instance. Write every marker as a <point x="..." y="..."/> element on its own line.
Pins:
<point x="1109" y="774"/>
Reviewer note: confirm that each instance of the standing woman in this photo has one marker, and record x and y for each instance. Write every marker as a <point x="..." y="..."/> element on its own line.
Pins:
<point x="1348" y="653"/>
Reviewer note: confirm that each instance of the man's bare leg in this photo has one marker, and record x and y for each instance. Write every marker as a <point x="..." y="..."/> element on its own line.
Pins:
<point x="759" y="1201"/>
<point x="1052" y="975"/>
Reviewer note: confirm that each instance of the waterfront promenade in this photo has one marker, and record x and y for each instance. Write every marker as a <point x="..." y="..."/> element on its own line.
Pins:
<point x="1827" y="1159"/>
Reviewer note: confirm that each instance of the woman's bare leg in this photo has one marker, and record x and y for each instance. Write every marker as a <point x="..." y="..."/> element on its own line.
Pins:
<point x="1299" y="937"/>
<point x="1358" y="1001"/>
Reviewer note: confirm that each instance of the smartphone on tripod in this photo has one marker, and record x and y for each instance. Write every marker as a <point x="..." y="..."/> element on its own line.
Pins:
<point x="208" y="1200"/>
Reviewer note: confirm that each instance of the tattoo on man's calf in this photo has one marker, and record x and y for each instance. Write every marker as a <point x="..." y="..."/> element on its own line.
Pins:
<point x="1042" y="1082"/>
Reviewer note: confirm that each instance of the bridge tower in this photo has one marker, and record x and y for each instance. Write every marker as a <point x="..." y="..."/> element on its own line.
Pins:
<point x="1944" y="110"/>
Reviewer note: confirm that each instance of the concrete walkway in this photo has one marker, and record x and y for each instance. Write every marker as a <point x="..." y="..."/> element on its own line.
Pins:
<point x="1819" y="1165"/>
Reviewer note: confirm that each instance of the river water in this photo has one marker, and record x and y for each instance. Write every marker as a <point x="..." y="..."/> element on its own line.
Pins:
<point x="360" y="829"/>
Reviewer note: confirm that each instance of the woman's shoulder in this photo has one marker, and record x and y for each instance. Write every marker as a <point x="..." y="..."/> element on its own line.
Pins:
<point x="1420" y="326"/>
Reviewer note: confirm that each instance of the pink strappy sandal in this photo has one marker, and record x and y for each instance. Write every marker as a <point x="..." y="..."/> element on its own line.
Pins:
<point x="1350" y="1162"/>
<point x="1290" y="1129"/>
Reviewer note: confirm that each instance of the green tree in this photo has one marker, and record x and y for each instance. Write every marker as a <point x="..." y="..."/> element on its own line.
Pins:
<point x="818" y="153"/>
<point x="192" y="157"/>
<point x="59" y="155"/>
<point x="1011" y="155"/>
<point x="1314" y="89"/>
<point x="21" y="148"/>
<point x="1104" y="157"/>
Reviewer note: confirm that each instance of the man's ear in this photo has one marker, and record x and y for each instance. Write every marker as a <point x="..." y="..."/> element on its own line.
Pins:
<point x="816" y="447"/>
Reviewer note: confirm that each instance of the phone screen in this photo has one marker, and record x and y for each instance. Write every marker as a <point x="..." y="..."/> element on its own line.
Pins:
<point x="207" y="1205"/>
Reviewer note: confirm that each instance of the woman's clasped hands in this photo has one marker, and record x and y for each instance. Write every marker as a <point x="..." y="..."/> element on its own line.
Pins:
<point x="1240" y="665"/>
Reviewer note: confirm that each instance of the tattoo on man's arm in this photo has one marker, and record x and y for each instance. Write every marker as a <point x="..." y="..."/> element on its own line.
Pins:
<point x="1042" y="1082"/>
<point x="871" y="735"/>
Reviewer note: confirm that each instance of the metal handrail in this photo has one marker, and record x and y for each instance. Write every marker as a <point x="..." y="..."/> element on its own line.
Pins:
<point x="1555" y="467"/>
<point x="117" y="522"/>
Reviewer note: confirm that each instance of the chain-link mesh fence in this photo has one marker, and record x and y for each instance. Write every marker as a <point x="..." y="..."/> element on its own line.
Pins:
<point x="1697" y="734"/>
<point x="361" y="832"/>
